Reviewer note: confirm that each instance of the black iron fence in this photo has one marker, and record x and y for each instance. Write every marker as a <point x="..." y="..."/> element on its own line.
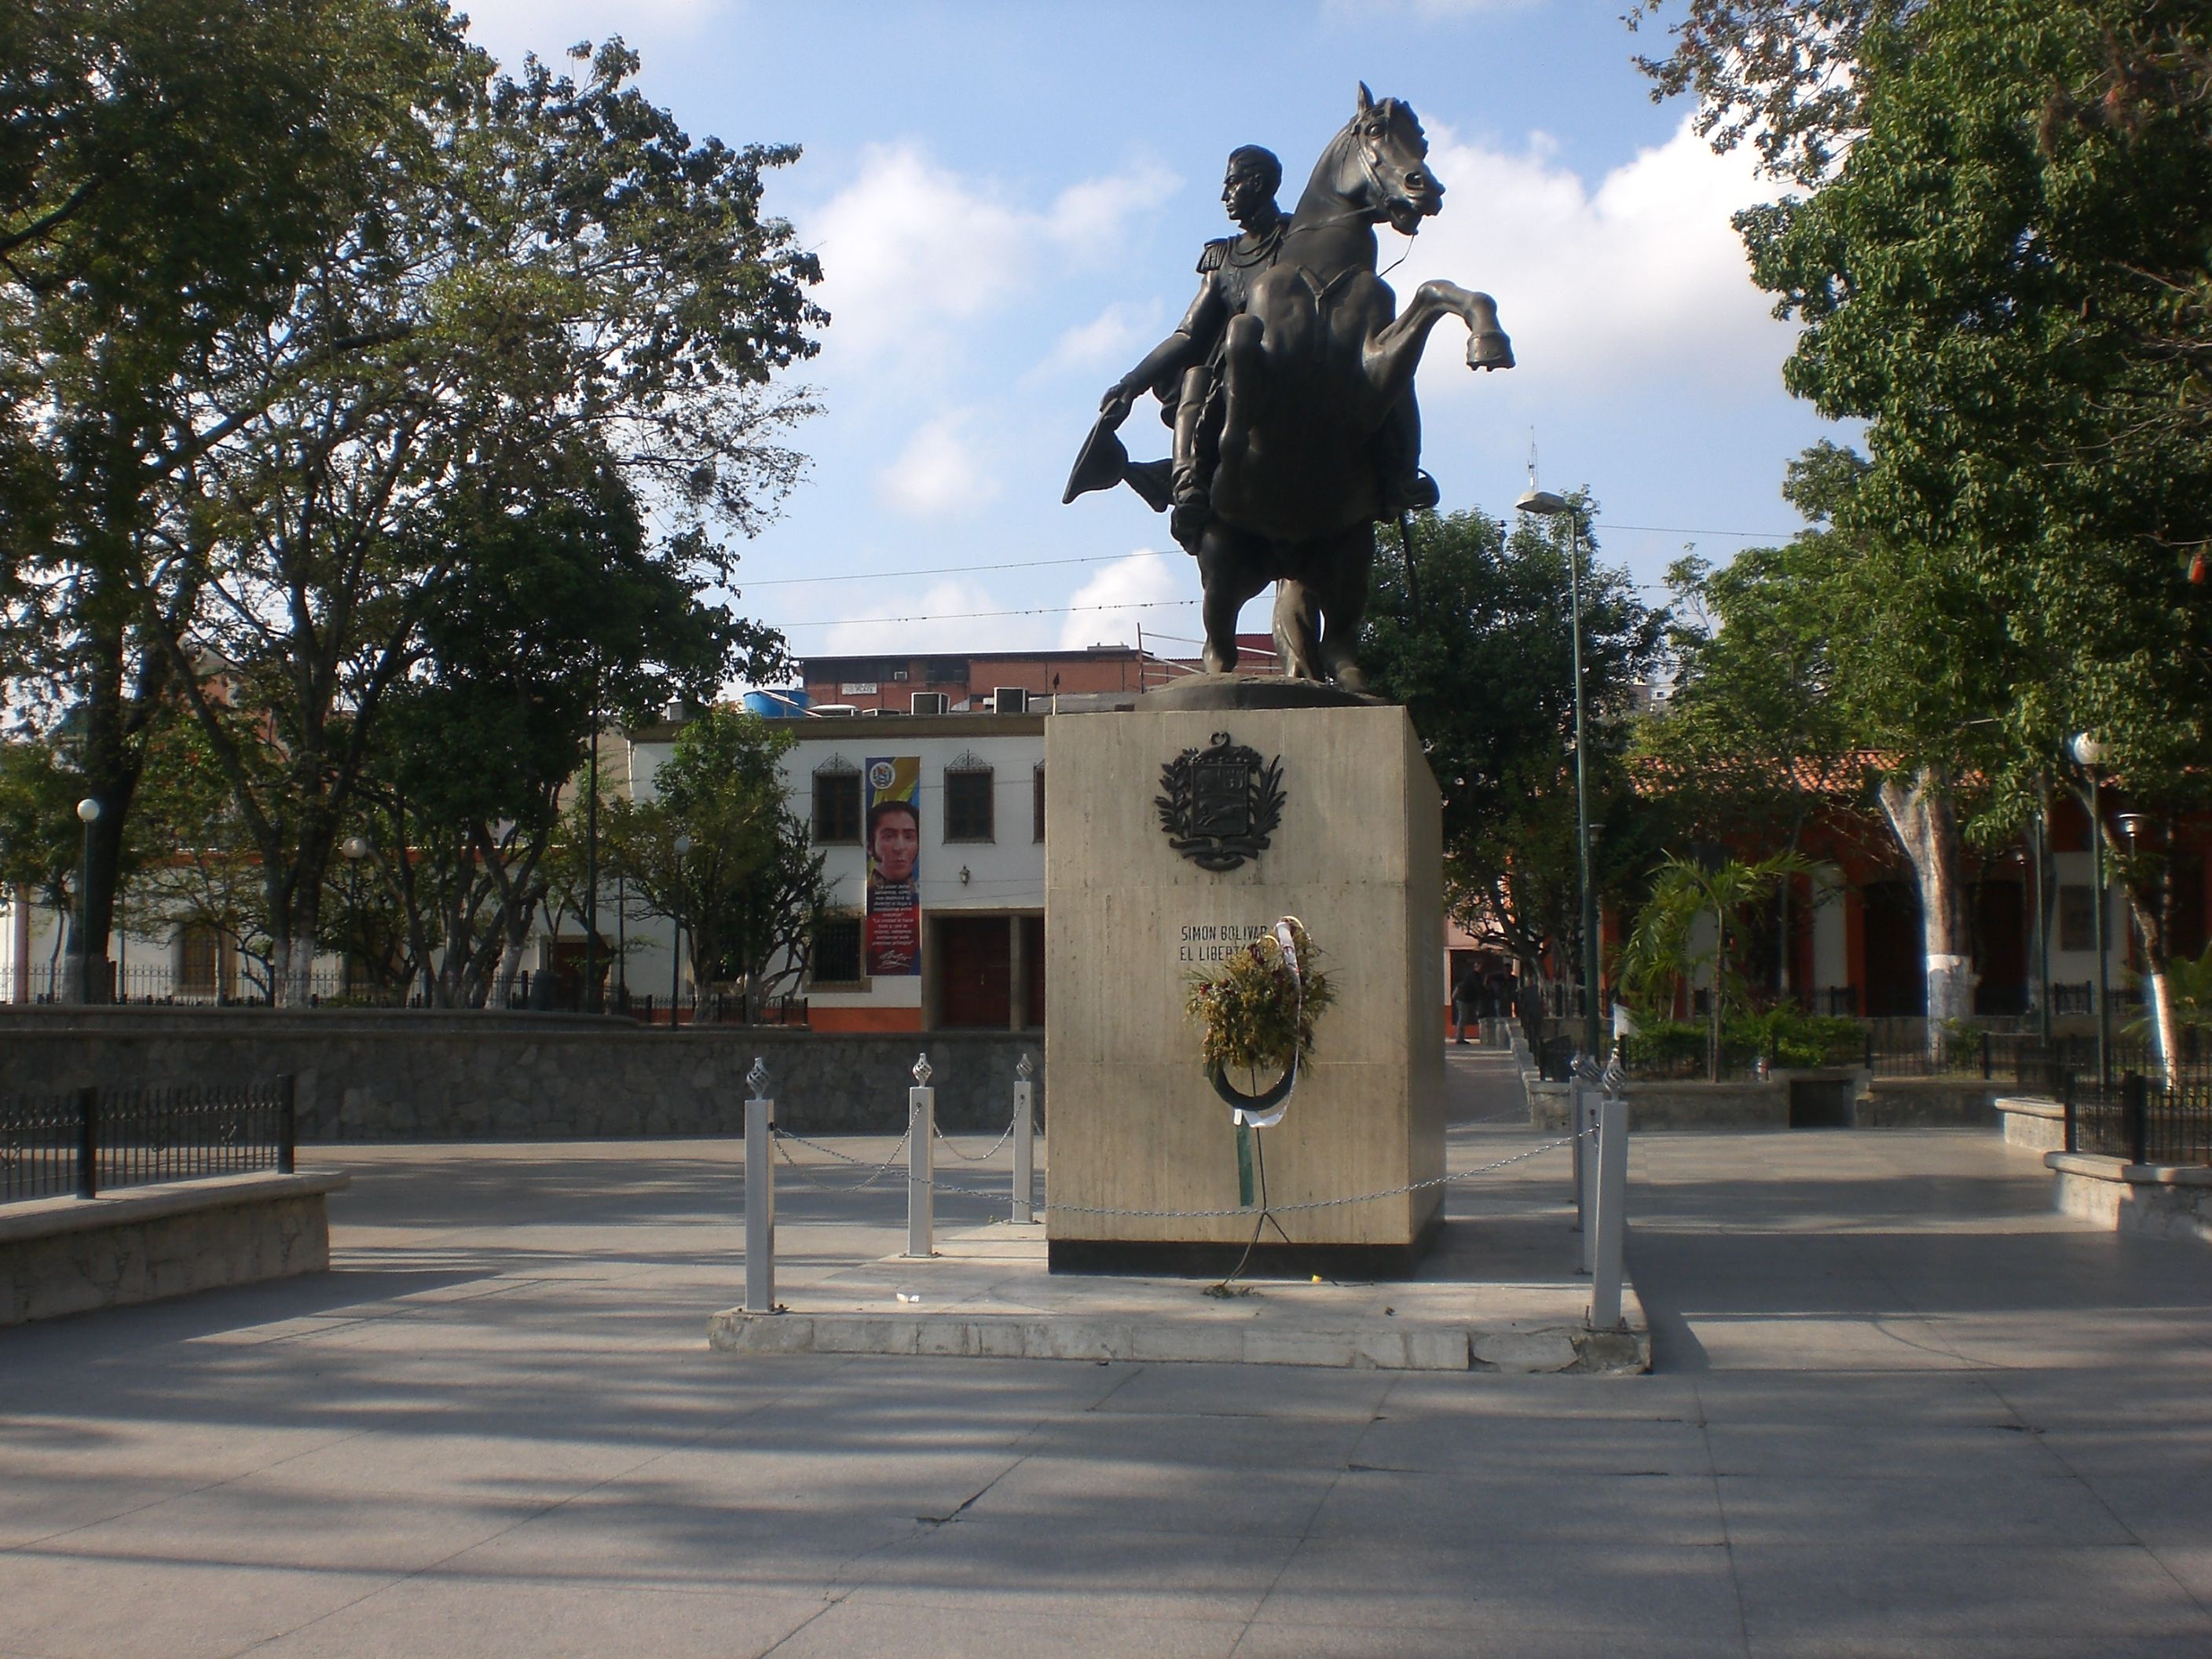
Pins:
<point x="94" y="1141"/>
<point x="2140" y="1119"/>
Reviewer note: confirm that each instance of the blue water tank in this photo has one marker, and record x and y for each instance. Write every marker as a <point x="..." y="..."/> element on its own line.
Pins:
<point x="776" y="705"/>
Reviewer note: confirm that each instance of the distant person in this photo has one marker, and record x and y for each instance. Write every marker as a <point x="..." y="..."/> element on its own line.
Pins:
<point x="1465" y="990"/>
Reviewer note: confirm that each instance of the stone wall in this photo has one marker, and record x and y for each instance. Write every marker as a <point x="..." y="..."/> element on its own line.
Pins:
<point x="1818" y="1100"/>
<point x="65" y="1255"/>
<point x="2038" y="1125"/>
<point x="435" y="1076"/>
<point x="2159" y="1201"/>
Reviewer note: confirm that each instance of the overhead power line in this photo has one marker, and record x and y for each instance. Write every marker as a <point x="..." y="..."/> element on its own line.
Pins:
<point x="972" y="616"/>
<point x="1163" y="553"/>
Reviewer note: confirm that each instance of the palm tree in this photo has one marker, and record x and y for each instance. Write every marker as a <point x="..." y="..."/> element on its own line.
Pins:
<point x="1662" y="953"/>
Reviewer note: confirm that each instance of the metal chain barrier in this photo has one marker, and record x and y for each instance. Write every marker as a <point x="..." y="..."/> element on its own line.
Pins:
<point x="783" y="1136"/>
<point x="945" y="1141"/>
<point x="1195" y="1215"/>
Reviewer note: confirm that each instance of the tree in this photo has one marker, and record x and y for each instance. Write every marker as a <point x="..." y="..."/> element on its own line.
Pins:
<point x="166" y="169"/>
<point x="1785" y="74"/>
<point x="1484" y="665"/>
<point x="41" y="840"/>
<point x="749" y="890"/>
<point x="560" y="614"/>
<point x="196" y="870"/>
<point x="1662" y="954"/>
<point x="569" y="275"/>
<point x="1754" y="738"/>
<point x="2006" y="277"/>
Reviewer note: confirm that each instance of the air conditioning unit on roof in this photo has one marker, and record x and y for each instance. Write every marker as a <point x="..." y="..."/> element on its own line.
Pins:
<point x="836" y="710"/>
<point x="1009" y="700"/>
<point x="927" y="702"/>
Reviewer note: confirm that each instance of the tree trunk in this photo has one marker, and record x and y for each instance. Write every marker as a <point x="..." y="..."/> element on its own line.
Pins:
<point x="510" y="964"/>
<point x="2148" y="905"/>
<point x="1926" y="824"/>
<point x="294" y="964"/>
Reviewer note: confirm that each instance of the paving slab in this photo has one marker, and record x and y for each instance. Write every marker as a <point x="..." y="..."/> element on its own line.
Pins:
<point x="1898" y="1408"/>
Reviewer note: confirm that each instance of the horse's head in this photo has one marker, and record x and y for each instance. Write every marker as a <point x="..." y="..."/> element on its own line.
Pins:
<point x="1386" y="141"/>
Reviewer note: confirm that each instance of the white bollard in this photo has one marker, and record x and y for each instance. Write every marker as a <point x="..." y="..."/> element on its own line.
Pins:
<point x="760" y="1193"/>
<point x="1574" y="1124"/>
<point x="1587" y="1106"/>
<point x="1611" y="1229"/>
<point x="920" y="1162"/>
<point x="1024" y="1141"/>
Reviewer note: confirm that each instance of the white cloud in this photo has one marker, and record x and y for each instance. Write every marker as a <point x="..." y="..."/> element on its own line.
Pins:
<point x="939" y="472"/>
<point x="1127" y="594"/>
<point x="909" y="250"/>
<point x="1115" y="338"/>
<point x="1639" y="282"/>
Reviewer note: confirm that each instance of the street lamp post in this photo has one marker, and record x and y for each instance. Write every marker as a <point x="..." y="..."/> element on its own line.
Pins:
<point x="1545" y="504"/>
<point x="356" y="848"/>
<point x="591" y="860"/>
<point x="2041" y="846"/>
<point x="676" y="959"/>
<point x="87" y="813"/>
<point x="2089" y="753"/>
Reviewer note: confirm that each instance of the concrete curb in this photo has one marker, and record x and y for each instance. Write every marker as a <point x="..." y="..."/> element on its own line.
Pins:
<point x="1529" y="1350"/>
<point x="2159" y="1201"/>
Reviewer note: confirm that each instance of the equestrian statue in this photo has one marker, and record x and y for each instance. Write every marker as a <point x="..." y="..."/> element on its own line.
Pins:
<point x="1289" y="388"/>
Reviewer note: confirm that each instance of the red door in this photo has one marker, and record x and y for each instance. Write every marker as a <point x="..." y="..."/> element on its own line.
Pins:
<point x="975" y="967"/>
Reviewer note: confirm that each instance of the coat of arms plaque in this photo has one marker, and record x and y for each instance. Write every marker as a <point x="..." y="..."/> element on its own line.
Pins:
<point x="1220" y="805"/>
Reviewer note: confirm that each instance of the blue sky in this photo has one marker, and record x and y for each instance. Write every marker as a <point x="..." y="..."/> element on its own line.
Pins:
<point x="1008" y="200"/>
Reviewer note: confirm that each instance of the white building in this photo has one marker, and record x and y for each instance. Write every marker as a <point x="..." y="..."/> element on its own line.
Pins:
<point x="980" y="877"/>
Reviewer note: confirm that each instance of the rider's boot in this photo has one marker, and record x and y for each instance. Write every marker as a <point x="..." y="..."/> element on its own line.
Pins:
<point x="1193" y="507"/>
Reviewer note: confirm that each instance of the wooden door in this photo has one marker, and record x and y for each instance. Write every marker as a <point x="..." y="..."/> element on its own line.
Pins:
<point x="974" y="966"/>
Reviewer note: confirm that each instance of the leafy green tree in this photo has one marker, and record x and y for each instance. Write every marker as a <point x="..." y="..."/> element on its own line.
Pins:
<point x="167" y="169"/>
<point x="196" y="869"/>
<point x="41" y="840"/>
<point x="749" y="891"/>
<point x="556" y="618"/>
<point x="1786" y="75"/>
<point x="2000" y="267"/>
<point x="1484" y="664"/>
<point x="567" y="275"/>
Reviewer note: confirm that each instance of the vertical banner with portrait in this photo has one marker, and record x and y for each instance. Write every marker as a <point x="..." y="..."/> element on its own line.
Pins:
<point x="893" y="944"/>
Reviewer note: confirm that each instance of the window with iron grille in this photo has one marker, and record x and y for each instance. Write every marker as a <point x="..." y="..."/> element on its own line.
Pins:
<point x="836" y="952"/>
<point x="199" y="955"/>
<point x="837" y="807"/>
<point x="968" y="803"/>
<point x="1036" y="801"/>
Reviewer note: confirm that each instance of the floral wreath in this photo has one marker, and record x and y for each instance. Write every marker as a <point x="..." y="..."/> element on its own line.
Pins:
<point x="1256" y="1012"/>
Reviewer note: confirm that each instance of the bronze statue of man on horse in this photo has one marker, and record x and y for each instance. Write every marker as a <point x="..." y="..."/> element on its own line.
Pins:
<point x="1289" y="387"/>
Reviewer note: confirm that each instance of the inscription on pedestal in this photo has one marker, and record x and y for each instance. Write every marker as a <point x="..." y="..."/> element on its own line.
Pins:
<point x="1200" y="942"/>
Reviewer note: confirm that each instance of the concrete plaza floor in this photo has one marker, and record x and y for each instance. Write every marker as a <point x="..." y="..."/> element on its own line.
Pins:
<point x="1899" y="1408"/>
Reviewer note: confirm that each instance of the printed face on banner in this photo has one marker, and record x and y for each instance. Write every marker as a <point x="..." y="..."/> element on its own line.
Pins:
<point x="893" y="944"/>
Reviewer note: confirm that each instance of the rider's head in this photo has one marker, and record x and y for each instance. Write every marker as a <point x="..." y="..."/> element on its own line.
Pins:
<point x="1248" y="191"/>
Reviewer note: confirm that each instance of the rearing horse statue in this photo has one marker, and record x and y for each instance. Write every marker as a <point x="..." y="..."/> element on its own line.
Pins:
<point x="1311" y="370"/>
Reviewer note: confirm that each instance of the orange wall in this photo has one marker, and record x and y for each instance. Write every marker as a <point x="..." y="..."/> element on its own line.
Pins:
<point x="863" y="1019"/>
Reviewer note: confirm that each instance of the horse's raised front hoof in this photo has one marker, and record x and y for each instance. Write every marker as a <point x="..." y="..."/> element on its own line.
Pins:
<point x="1490" y="349"/>
<point x="1345" y="672"/>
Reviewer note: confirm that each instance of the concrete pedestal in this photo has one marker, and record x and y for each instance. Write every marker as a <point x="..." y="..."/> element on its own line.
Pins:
<point x="1134" y="1124"/>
